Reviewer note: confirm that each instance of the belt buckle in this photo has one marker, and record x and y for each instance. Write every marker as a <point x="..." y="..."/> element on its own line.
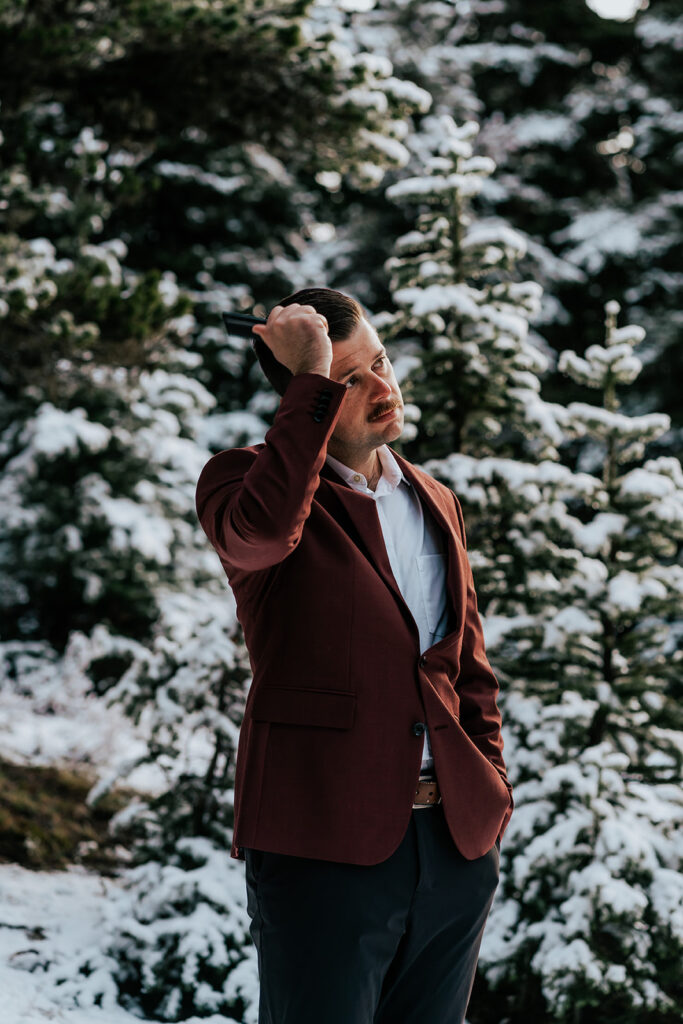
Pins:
<point x="426" y="779"/>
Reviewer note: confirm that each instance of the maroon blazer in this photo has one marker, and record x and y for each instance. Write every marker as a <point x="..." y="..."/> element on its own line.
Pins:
<point x="331" y="743"/>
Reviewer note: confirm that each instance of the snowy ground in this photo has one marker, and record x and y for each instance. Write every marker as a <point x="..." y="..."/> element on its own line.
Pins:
<point x="46" y="917"/>
<point x="49" y="918"/>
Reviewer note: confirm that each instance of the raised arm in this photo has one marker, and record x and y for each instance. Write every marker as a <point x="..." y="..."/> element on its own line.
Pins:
<point x="253" y="505"/>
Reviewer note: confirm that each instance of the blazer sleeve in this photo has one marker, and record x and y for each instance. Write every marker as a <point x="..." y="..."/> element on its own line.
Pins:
<point x="253" y="505"/>
<point x="477" y="684"/>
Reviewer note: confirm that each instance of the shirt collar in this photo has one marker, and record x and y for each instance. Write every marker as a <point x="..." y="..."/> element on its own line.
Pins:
<point x="391" y="477"/>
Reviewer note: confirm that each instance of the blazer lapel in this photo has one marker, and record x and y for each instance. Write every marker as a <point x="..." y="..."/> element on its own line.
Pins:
<point x="357" y="514"/>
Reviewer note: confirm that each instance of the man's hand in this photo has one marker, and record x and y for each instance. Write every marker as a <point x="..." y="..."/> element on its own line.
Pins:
<point x="297" y="337"/>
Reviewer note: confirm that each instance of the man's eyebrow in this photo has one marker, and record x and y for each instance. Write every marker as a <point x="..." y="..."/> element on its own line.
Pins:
<point x="378" y="355"/>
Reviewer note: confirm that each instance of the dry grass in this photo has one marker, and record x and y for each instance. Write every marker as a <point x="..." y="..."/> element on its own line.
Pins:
<point x="45" y="822"/>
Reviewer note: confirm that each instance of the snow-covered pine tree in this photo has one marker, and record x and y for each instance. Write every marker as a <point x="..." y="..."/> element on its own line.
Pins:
<point x="579" y="114"/>
<point x="475" y="376"/>
<point x="652" y="132"/>
<point x="582" y="602"/>
<point x="507" y="66"/>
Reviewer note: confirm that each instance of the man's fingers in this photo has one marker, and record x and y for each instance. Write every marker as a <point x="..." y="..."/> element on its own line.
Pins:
<point x="314" y="313"/>
<point x="297" y="335"/>
<point x="275" y="313"/>
<point x="292" y="310"/>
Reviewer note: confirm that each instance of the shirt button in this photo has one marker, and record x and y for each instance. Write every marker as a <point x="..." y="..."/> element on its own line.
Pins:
<point x="418" y="728"/>
<point x="356" y="477"/>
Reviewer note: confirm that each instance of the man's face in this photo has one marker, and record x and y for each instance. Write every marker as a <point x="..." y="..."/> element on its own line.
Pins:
<point x="372" y="411"/>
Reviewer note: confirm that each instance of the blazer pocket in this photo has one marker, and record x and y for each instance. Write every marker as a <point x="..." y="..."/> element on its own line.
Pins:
<point x="299" y="705"/>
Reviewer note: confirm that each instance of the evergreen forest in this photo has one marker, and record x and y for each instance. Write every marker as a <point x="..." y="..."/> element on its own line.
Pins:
<point x="499" y="184"/>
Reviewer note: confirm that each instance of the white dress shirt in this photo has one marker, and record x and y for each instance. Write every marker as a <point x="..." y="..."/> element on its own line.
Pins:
<point x="415" y="546"/>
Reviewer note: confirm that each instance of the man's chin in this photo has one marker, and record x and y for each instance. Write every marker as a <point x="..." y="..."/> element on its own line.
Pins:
<point x="393" y="428"/>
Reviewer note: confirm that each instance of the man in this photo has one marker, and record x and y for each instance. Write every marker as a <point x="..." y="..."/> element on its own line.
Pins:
<point x="370" y="790"/>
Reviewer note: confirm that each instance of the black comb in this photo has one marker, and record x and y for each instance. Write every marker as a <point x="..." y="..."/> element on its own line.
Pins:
<point x="242" y="323"/>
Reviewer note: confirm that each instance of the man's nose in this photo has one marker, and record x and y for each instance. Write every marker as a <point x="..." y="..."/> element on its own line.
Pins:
<point x="381" y="389"/>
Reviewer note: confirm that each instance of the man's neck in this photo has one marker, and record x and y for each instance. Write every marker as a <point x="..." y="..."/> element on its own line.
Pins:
<point x="369" y="464"/>
<point x="373" y="478"/>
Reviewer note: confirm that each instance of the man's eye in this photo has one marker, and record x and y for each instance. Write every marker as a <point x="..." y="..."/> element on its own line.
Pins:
<point x="351" y="381"/>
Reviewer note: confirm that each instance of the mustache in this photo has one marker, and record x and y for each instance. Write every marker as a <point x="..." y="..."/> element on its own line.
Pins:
<point x="385" y="408"/>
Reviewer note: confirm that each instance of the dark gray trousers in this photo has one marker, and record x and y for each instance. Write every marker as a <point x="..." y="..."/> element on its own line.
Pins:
<point x="389" y="943"/>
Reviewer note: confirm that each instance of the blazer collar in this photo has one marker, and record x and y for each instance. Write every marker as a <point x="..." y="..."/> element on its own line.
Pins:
<point x="427" y="489"/>
<point x="392" y="473"/>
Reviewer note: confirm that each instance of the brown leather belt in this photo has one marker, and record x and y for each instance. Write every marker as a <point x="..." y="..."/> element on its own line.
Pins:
<point x="427" y="793"/>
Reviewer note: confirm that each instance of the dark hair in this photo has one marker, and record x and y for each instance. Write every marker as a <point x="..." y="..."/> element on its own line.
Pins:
<point x="343" y="315"/>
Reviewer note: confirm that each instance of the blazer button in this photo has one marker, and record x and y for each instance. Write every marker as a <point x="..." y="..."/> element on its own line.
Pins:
<point x="418" y="728"/>
<point x="422" y="662"/>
